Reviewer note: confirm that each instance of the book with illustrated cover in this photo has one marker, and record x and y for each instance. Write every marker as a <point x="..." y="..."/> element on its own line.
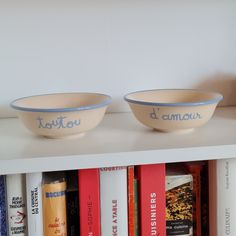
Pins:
<point x="152" y="199"/>
<point x="54" y="204"/>
<point x="3" y="210"/>
<point x="179" y="203"/>
<point x="16" y="205"/>
<point x="114" y="201"/>
<point x="89" y="202"/>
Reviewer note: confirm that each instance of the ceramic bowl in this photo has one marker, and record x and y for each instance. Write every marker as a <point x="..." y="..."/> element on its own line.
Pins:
<point x="63" y="114"/>
<point x="171" y="110"/>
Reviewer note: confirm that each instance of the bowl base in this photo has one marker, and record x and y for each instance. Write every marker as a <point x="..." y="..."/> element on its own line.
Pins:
<point x="179" y="131"/>
<point x="72" y="136"/>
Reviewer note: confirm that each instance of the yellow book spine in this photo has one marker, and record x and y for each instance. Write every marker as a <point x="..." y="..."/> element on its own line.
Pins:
<point x="54" y="209"/>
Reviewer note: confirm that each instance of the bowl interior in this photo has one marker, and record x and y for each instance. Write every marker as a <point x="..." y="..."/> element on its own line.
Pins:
<point x="62" y="101"/>
<point x="173" y="96"/>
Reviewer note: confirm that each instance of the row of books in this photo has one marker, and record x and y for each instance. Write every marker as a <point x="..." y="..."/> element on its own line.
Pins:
<point x="144" y="200"/>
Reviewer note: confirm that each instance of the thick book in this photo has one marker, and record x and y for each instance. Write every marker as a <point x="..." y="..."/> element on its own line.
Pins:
<point x="114" y="201"/>
<point x="72" y="203"/>
<point x="3" y="212"/>
<point x="16" y="205"/>
<point x="54" y="204"/>
<point x="89" y="202"/>
<point x="34" y="203"/>
<point x="152" y="200"/>
<point x="225" y="197"/>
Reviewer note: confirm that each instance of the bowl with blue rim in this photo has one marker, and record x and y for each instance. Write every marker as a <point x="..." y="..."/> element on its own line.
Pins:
<point x="170" y="110"/>
<point x="62" y="115"/>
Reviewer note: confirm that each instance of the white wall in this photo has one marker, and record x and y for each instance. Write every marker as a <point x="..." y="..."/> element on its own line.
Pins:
<point x="116" y="47"/>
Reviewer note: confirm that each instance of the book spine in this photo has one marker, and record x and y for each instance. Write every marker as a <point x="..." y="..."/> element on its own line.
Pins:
<point x="3" y="212"/>
<point x="195" y="169"/>
<point x="136" y="209"/>
<point x="34" y="203"/>
<point x="152" y="200"/>
<point x="114" y="206"/>
<point x="16" y="205"/>
<point x="72" y="213"/>
<point x="54" y="209"/>
<point x="226" y="187"/>
<point x="72" y="201"/>
<point x="205" y="199"/>
<point x="212" y="180"/>
<point x="131" y="217"/>
<point x="89" y="202"/>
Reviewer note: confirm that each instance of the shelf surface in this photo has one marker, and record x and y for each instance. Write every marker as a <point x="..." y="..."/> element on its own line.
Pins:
<point x="118" y="140"/>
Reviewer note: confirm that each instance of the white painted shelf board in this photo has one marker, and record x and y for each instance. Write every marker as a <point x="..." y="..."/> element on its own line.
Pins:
<point x="118" y="140"/>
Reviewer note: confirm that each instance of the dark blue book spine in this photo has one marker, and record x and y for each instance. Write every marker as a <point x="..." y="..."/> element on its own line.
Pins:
<point x="3" y="213"/>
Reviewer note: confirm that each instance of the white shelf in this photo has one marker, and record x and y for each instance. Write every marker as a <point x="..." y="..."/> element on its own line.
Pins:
<point x="118" y="140"/>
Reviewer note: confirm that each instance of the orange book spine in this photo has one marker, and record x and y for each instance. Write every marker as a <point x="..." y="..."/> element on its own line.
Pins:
<point x="54" y="209"/>
<point x="131" y="217"/>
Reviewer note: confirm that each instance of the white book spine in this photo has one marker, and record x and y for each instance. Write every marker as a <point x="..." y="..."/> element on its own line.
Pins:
<point x="16" y="205"/>
<point x="114" y="216"/>
<point x="226" y="196"/>
<point x="34" y="203"/>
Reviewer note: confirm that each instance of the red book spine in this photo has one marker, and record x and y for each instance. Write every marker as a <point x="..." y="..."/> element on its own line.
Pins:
<point x="152" y="200"/>
<point x="131" y="217"/>
<point x="89" y="202"/>
<point x="195" y="169"/>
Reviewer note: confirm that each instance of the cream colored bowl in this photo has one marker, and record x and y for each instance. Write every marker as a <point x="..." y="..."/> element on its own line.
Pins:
<point x="63" y="114"/>
<point x="171" y="110"/>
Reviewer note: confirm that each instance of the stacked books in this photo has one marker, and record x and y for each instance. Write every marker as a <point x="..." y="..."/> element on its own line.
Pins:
<point x="144" y="200"/>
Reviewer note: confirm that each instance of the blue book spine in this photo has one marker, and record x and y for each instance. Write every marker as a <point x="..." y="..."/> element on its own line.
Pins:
<point x="3" y="213"/>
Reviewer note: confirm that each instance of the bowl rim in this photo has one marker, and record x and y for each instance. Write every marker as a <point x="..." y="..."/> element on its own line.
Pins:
<point x="106" y="102"/>
<point x="218" y="98"/>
